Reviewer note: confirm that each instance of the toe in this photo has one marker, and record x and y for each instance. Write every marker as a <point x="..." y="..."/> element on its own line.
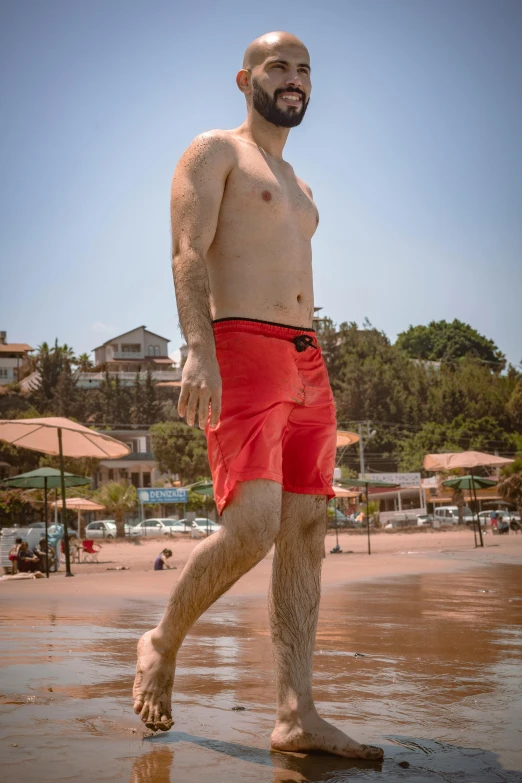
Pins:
<point x="144" y="714"/>
<point x="138" y="706"/>
<point x="165" y="723"/>
<point x="371" y="752"/>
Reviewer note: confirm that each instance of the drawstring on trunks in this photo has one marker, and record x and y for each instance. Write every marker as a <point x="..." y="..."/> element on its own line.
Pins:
<point x="302" y="342"/>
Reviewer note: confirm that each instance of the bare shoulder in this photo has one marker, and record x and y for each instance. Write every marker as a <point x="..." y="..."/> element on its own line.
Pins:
<point x="214" y="148"/>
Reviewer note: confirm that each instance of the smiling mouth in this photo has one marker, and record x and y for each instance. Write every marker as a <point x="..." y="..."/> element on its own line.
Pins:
<point x="291" y="98"/>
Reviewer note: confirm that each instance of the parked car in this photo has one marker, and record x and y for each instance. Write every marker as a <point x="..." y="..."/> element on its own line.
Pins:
<point x="449" y="515"/>
<point x="203" y="525"/>
<point x="336" y="518"/>
<point x="504" y="515"/>
<point x="103" y="528"/>
<point x="425" y="520"/>
<point x="155" y="528"/>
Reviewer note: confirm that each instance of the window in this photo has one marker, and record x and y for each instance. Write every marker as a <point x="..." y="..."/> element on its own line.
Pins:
<point x="111" y="474"/>
<point x="135" y="479"/>
<point x="4" y="372"/>
<point x="156" y="350"/>
<point x="146" y="480"/>
<point x="151" y="350"/>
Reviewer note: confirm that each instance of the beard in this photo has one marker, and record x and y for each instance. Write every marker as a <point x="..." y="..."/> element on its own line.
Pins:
<point x="267" y="107"/>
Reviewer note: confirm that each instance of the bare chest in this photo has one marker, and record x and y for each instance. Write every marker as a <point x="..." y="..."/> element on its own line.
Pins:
<point x="262" y="191"/>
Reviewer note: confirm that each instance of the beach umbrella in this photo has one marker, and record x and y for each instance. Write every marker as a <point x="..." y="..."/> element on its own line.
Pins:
<point x="205" y="488"/>
<point x="345" y="438"/>
<point x="45" y="478"/>
<point x="471" y="483"/>
<point x="464" y="459"/>
<point x="79" y="505"/>
<point x="366" y="483"/>
<point x="64" y="438"/>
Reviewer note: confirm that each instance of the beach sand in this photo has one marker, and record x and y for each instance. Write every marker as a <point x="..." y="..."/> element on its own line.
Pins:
<point x="435" y="622"/>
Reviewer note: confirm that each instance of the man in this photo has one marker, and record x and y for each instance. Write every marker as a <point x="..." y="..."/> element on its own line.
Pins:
<point x="55" y="536"/>
<point x="242" y="225"/>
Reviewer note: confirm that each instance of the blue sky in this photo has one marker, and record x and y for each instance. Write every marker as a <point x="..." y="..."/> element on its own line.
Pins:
<point x="411" y="144"/>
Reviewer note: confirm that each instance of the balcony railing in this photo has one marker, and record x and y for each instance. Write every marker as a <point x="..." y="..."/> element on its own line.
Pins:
<point x="92" y="378"/>
<point x="125" y="355"/>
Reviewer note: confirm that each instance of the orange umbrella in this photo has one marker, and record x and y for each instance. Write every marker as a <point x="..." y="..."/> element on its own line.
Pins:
<point x="80" y="504"/>
<point x="64" y="438"/>
<point x="463" y="459"/>
<point x="345" y="438"/>
<point x="342" y="492"/>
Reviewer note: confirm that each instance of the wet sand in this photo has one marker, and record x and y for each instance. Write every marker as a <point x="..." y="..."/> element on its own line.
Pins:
<point x="435" y="623"/>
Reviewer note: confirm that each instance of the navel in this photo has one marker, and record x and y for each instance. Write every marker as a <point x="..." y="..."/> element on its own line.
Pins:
<point x="266" y="195"/>
<point x="299" y="297"/>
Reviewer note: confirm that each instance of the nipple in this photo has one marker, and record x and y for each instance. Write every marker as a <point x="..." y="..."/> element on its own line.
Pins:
<point x="266" y="195"/>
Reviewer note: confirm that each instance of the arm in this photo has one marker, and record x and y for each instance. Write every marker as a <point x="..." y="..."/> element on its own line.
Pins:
<point x="197" y="191"/>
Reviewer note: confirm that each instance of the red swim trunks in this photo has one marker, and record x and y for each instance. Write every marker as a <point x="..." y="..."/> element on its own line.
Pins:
<point x="278" y="413"/>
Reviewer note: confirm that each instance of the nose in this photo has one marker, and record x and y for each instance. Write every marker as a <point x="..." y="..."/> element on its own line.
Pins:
<point x="294" y="78"/>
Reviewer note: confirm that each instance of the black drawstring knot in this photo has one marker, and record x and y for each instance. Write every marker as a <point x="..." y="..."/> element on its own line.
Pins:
<point x="302" y="342"/>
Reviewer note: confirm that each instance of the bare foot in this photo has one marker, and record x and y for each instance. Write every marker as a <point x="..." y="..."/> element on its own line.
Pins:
<point x="153" y="685"/>
<point x="315" y="734"/>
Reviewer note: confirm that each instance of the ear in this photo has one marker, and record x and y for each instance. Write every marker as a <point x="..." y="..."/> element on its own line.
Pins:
<point x="243" y="81"/>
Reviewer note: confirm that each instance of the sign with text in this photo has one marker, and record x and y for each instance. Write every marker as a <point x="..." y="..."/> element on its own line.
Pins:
<point x="165" y="495"/>
<point x="403" y="479"/>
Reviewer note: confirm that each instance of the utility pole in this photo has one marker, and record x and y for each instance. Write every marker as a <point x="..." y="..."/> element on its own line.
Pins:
<point x="361" y="449"/>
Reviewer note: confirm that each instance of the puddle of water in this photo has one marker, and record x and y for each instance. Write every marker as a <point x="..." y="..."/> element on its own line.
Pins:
<point x="429" y="666"/>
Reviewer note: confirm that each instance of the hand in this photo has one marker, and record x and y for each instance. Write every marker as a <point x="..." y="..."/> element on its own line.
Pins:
<point x="200" y="388"/>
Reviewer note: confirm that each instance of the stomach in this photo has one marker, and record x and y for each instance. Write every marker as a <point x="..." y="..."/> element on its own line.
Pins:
<point x="267" y="289"/>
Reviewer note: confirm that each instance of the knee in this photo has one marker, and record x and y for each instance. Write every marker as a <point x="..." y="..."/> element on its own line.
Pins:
<point x="259" y="535"/>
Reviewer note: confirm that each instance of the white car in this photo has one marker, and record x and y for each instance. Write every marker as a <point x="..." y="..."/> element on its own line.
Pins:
<point x="103" y="528"/>
<point x="155" y="528"/>
<point x="203" y="526"/>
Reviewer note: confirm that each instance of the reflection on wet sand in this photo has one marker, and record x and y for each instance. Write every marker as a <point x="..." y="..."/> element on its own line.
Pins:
<point x="428" y="666"/>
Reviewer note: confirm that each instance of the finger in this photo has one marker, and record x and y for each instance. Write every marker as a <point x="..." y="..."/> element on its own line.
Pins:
<point x="183" y="399"/>
<point x="192" y="405"/>
<point x="204" y="400"/>
<point x="215" y="407"/>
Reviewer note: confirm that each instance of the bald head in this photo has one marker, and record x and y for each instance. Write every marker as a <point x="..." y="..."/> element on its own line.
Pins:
<point x="268" y="44"/>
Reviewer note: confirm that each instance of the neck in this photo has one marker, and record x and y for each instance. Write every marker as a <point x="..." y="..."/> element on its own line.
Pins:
<point x="269" y="137"/>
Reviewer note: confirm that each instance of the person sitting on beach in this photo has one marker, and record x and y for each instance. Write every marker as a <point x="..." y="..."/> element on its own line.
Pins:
<point x="161" y="561"/>
<point x="42" y="552"/>
<point x="27" y="561"/>
<point x="13" y="555"/>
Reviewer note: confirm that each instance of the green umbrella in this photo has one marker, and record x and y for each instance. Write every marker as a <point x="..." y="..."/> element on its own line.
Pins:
<point x="45" y="478"/>
<point x="367" y="483"/>
<point x="202" y="488"/>
<point x="471" y="482"/>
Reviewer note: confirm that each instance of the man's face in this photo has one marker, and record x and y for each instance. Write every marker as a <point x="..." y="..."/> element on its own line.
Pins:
<point x="281" y="87"/>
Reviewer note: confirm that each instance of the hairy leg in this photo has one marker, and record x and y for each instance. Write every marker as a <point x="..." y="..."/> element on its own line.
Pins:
<point x="250" y="525"/>
<point x="294" y="608"/>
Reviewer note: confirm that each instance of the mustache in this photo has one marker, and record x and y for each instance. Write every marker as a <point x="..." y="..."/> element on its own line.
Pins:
<point x="290" y="89"/>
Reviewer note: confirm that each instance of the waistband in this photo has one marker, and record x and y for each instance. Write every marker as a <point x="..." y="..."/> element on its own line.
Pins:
<point x="264" y="328"/>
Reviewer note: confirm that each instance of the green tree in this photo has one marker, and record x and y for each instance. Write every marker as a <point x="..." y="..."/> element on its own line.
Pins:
<point x="180" y="450"/>
<point x="119" y="499"/>
<point x="84" y="362"/>
<point x="137" y="402"/>
<point x="441" y="341"/>
<point x="514" y="406"/>
<point x="151" y="405"/>
<point x="510" y="486"/>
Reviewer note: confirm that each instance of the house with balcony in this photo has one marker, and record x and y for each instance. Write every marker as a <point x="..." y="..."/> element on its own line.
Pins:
<point x="136" y="351"/>
<point x="138" y="468"/>
<point x="13" y="356"/>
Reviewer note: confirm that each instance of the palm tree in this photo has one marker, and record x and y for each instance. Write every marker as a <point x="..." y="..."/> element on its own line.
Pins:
<point x="84" y="362"/>
<point x="118" y="499"/>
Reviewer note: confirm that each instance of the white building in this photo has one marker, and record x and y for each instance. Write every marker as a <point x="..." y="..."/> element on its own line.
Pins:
<point x="12" y="357"/>
<point x="133" y="352"/>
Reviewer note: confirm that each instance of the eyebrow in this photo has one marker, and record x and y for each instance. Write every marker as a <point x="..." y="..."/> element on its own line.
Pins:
<point x="285" y="62"/>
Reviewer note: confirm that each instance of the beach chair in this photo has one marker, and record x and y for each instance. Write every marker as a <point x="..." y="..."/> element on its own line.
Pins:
<point x="90" y="553"/>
